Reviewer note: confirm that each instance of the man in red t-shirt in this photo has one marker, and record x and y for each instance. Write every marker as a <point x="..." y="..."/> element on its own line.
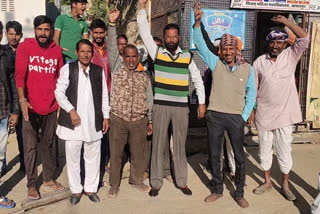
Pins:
<point x="38" y="63"/>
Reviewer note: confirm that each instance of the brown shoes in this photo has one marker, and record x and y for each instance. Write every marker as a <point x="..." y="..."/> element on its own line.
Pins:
<point x="242" y="202"/>
<point x="213" y="197"/>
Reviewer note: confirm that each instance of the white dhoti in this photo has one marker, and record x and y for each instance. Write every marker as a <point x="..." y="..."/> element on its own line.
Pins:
<point x="280" y="141"/>
<point x="91" y="156"/>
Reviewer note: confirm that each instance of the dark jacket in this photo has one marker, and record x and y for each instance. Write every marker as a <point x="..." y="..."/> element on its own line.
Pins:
<point x="7" y="79"/>
<point x="95" y="75"/>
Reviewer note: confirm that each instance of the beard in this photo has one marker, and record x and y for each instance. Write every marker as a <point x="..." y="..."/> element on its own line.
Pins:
<point x="171" y="47"/>
<point x="274" y="54"/>
<point x="44" y="44"/>
<point x="99" y="43"/>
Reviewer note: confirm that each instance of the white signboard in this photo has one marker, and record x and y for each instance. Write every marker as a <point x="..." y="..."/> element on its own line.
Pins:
<point x="291" y="5"/>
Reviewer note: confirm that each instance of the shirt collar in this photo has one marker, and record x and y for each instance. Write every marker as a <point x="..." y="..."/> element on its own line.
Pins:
<point x="233" y="68"/>
<point x="178" y="51"/>
<point x="71" y="16"/>
<point x="139" y="68"/>
<point x="80" y="68"/>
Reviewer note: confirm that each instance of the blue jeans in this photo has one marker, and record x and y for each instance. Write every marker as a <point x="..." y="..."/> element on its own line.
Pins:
<point x="4" y="133"/>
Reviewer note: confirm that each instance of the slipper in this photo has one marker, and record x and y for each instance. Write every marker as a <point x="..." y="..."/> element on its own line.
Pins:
<point x="288" y="194"/>
<point x="56" y="186"/>
<point x="262" y="189"/>
<point x="9" y="203"/>
<point x="33" y="197"/>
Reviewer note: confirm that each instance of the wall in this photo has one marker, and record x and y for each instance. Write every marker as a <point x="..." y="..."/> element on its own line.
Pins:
<point x="24" y="12"/>
<point x="216" y="4"/>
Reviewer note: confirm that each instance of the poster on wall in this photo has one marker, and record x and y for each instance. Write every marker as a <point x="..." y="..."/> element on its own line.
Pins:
<point x="291" y="5"/>
<point x="218" y="22"/>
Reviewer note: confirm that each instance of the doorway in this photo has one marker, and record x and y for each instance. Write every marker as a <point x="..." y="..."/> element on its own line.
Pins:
<point x="264" y="24"/>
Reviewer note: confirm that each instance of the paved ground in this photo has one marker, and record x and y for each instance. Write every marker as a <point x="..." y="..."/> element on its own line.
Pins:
<point x="304" y="178"/>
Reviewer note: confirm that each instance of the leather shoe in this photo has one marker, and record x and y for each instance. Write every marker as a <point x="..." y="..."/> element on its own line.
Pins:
<point x="153" y="192"/>
<point x="185" y="190"/>
<point x="94" y="198"/>
<point x="243" y="203"/>
<point x="74" y="199"/>
<point x="213" y="197"/>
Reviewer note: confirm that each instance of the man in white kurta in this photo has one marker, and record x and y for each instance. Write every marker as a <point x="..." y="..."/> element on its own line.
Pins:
<point x="85" y="131"/>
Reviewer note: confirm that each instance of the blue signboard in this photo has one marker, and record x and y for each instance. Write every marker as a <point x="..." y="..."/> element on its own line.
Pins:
<point x="218" y="22"/>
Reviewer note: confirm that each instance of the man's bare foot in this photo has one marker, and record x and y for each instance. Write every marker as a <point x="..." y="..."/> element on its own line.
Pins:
<point x="33" y="193"/>
<point x="56" y="186"/>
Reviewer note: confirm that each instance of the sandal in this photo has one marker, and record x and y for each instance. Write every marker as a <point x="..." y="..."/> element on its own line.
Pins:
<point x="33" y="193"/>
<point x="7" y="203"/>
<point x="56" y="186"/>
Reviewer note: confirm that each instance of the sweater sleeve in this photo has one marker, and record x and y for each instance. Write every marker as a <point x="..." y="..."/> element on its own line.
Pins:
<point x="112" y="48"/>
<point x="21" y="66"/>
<point x="206" y="38"/>
<point x="202" y="48"/>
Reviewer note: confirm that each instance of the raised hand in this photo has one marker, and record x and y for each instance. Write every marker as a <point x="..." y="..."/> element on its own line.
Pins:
<point x="114" y="15"/>
<point x="279" y="19"/>
<point x="198" y="13"/>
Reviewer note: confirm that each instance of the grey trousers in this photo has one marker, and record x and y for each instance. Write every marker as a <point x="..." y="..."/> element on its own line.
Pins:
<point x="161" y="117"/>
<point x="166" y="158"/>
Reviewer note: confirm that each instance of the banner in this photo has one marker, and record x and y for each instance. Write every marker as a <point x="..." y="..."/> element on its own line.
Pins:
<point x="292" y="5"/>
<point x="218" y="22"/>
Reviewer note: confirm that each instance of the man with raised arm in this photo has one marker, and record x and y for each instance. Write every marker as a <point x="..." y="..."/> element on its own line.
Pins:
<point x="278" y="101"/>
<point x="231" y="101"/>
<point x="172" y="69"/>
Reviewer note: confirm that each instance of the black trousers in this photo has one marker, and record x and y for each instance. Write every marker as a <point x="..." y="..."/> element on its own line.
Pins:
<point x="217" y="123"/>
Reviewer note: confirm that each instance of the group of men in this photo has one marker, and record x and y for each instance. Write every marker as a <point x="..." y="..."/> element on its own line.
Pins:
<point x="81" y="89"/>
